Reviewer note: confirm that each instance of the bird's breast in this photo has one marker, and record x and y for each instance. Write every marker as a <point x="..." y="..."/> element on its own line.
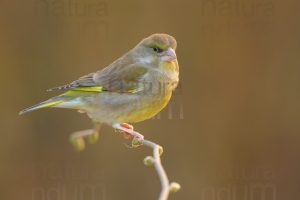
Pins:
<point x="146" y="107"/>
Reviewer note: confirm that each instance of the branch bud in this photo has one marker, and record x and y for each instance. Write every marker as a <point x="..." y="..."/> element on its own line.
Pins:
<point x="78" y="143"/>
<point x="160" y="150"/>
<point x="149" y="161"/>
<point x="174" y="187"/>
<point x="135" y="142"/>
<point x="93" y="138"/>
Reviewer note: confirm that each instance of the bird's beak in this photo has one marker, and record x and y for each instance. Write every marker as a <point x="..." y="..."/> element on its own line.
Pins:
<point x="169" y="55"/>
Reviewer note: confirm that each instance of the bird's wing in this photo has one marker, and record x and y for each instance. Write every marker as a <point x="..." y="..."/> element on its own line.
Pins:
<point x="84" y="81"/>
<point x="126" y="79"/>
<point x="114" y="78"/>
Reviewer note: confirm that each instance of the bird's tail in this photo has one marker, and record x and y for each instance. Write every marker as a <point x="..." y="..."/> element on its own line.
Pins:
<point x="70" y="99"/>
<point x="45" y="104"/>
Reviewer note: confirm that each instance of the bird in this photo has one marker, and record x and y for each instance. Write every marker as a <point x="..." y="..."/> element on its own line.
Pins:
<point x="133" y="88"/>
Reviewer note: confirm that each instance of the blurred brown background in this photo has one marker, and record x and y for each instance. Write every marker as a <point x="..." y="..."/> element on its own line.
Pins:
<point x="231" y="131"/>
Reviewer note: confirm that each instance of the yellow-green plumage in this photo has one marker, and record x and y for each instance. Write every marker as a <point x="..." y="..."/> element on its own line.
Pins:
<point x="129" y="89"/>
<point x="85" y="89"/>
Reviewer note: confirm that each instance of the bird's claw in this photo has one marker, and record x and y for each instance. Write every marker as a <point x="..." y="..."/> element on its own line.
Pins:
<point x="125" y="134"/>
<point x="128" y="132"/>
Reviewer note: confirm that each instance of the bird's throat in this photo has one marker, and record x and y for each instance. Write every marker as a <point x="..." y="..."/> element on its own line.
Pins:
<point x="169" y="66"/>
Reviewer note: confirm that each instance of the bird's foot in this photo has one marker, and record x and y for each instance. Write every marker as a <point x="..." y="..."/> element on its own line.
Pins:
<point x="135" y="141"/>
<point x="125" y="134"/>
<point x="128" y="132"/>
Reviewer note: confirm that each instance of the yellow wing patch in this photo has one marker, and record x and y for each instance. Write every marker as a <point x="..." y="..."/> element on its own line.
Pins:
<point x="81" y="91"/>
<point x="89" y="89"/>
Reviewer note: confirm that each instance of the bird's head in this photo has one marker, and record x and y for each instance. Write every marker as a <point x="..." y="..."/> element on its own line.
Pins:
<point x="156" y="49"/>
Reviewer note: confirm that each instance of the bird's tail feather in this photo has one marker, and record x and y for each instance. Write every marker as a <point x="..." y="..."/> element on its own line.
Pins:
<point x="69" y="99"/>
<point x="49" y="103"/>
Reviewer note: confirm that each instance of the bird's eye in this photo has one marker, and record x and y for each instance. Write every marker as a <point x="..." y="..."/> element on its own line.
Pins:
<point x="157" y="49"/>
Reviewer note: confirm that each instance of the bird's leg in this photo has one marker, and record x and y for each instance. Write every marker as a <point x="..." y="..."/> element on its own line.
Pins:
<point x="127" y="131"/>
<point x="92" y="135"/>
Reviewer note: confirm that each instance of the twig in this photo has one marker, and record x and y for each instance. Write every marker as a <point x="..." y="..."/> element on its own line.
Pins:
<point x="164" y="181"/>
<point x="138" y="139"/>
<point x="166" y="187"/>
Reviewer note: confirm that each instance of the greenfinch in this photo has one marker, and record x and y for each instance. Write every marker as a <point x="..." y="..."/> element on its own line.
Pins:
<point x="133" y="88"/>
